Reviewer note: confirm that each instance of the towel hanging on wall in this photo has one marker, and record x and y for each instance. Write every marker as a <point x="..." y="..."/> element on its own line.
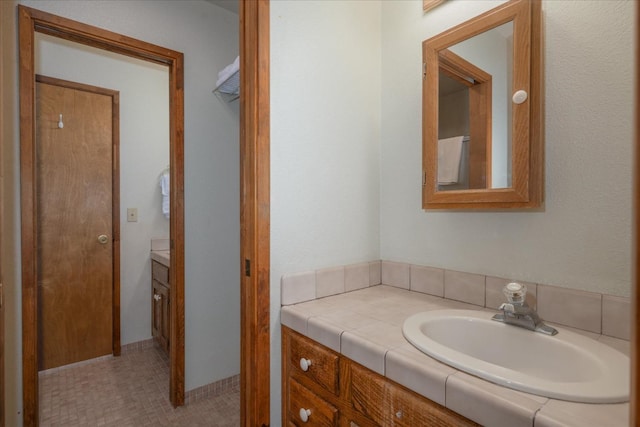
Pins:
<point x="449" y="154"/>
<point x="165" y="187"/>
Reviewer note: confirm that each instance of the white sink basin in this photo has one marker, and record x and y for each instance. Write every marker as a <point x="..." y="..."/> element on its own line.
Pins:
<point x="566" y="366"/>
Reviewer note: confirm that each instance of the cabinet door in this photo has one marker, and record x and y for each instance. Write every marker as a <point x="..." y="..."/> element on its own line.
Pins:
<point x="160" y="315"/>
<point x="156" y="310"/>
<point x="166" y="323"/>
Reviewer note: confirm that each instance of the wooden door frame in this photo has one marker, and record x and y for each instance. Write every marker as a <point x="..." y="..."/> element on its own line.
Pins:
<point x="254" y="213"/>
<point x="115" y="193"/>
<point x="634" y="401"/>
<point x="32" y="21"/>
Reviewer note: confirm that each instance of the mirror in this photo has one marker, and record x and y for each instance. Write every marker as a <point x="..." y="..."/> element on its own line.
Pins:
<point x="482" y="145"/>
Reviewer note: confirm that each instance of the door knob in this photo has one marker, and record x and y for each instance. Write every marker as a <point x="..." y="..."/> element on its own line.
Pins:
<point x="103" y="239"/>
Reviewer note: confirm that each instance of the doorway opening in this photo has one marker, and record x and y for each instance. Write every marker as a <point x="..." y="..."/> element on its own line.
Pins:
<point x="32" y="21"/>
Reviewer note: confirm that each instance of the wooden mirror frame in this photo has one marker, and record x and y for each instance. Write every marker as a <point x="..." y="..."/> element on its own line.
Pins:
<point x="527" y="146"/>
<point x="32" y="21"/>
<point x="430" y="4"/>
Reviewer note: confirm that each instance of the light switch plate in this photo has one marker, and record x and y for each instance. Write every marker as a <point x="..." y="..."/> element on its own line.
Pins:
<point x="132" y="214"/>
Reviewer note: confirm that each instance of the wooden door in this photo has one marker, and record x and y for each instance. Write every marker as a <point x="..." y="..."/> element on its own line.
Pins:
<point x="74" y="167"/>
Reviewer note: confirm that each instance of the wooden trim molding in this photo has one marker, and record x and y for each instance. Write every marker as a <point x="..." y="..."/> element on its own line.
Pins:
<point x="635" y="257"/>
<point x="427" y="5"/>
<point x="254" y="213"/>
<point x="32" y="21"/>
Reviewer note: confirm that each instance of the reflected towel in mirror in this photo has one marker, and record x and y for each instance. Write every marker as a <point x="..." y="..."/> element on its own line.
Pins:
<point x="449" y="154"/>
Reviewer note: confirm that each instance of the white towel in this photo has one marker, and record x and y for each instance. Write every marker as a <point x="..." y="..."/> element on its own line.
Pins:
<point x="449" y="154"/>
<point x="228" y="71"/>
<point x="164" y="188"/>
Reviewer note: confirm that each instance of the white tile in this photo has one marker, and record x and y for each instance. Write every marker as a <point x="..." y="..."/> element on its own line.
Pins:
<point x="346" y="320"/>
<point x="384" y="334"/>
<point x="416" y="371"/>
<point x="427" y="280"/>
<point x="570" y="307"/>
<point x="293" y="317"/>
<point x="465" y="287"/>
<point x="356" y="276"/>
<point x="325" y="333"/>
<point x="160" y="244"/>
<point x="490" y="404"/>
<point x="616" y="317"/>
<point x="329" y="281"/>
<point x="558" y="413"/>
<point x="298" y="287"/>
<point x="396" y="274"/>
<point x="363" y="351"/>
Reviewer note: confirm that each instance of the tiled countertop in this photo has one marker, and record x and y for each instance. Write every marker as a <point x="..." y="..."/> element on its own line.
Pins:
<point x="160" y="250"/>
<point x="366" y="326"/>
<point x="163" y="257"/>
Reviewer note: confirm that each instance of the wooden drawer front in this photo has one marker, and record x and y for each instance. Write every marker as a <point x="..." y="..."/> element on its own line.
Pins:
<point x="324" y="363"/>
<point x="160" y="273"/>
<point x="408" y="409"/>
<point x="322" y="413"/>
<point x="389" y="404"/>
<point x="368" y="394"/>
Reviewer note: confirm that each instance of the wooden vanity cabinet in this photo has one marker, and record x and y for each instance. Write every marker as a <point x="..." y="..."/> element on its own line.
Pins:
<point x="160" y="297"/>
<point x="340" y="392"/>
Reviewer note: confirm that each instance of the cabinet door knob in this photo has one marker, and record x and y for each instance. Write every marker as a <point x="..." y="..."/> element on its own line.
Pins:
<point x="305" y="414"/>
<point x="399" y="414"/>
<point x="304" y="364"/>
<point x="157" y="297"/>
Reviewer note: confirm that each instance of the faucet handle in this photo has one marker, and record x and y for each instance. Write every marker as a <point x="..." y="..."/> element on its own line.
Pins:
<point x="515" y="293"/>
<point x="505" y="306"/>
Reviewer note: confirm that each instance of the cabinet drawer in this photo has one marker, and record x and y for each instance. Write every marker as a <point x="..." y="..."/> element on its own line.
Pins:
<point x="389" y="404"/>
<point x="160" y="272"/>
<point x="409" y="410"/>
<point x="368" y="394"/>
<point x="324" y="363"/>
<point x="321" y="413"/>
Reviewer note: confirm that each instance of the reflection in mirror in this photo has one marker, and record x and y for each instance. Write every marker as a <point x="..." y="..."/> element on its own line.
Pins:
<point x="490" y="57"/>
<point x="474" y="111"/>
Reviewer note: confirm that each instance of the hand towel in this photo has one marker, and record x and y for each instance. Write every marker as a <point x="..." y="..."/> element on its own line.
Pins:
<point x="228" y="71"/>
<point x="449" y="154"/>
<point x="164" y="188"/>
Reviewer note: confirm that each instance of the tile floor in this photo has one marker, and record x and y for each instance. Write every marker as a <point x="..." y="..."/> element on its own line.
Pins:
<point x="130" y="390"/>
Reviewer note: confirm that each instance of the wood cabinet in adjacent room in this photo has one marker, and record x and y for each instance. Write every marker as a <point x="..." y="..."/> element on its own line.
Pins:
<point x="161" y="294"/>
<point x="323" y="388"/>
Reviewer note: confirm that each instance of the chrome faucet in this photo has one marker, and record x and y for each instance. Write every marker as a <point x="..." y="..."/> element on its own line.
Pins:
<point x="517" y="312"/>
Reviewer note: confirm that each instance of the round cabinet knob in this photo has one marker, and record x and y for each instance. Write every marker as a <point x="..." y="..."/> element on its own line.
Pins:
<point x="399" y="414"/>
<point x="103" y="239"/>
<point x="304" y="364"/>
<point x="305" y="414"/>
<point x="520" y="96"/>
<point x="157" y="297"/>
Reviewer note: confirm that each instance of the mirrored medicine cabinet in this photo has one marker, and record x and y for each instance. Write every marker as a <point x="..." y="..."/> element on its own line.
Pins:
<point x="482" y="137"/>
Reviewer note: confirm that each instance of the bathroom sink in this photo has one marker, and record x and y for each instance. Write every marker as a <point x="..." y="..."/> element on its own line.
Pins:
<point x="566" y="366"/>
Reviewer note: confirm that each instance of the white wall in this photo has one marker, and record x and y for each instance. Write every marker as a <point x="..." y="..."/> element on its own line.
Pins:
<point x="581" y="238"/>
<point x="325" y="137"/>
<point x="325" y="59"/>
<point x="144" y="152"/>
<point x="208" y="37"/>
